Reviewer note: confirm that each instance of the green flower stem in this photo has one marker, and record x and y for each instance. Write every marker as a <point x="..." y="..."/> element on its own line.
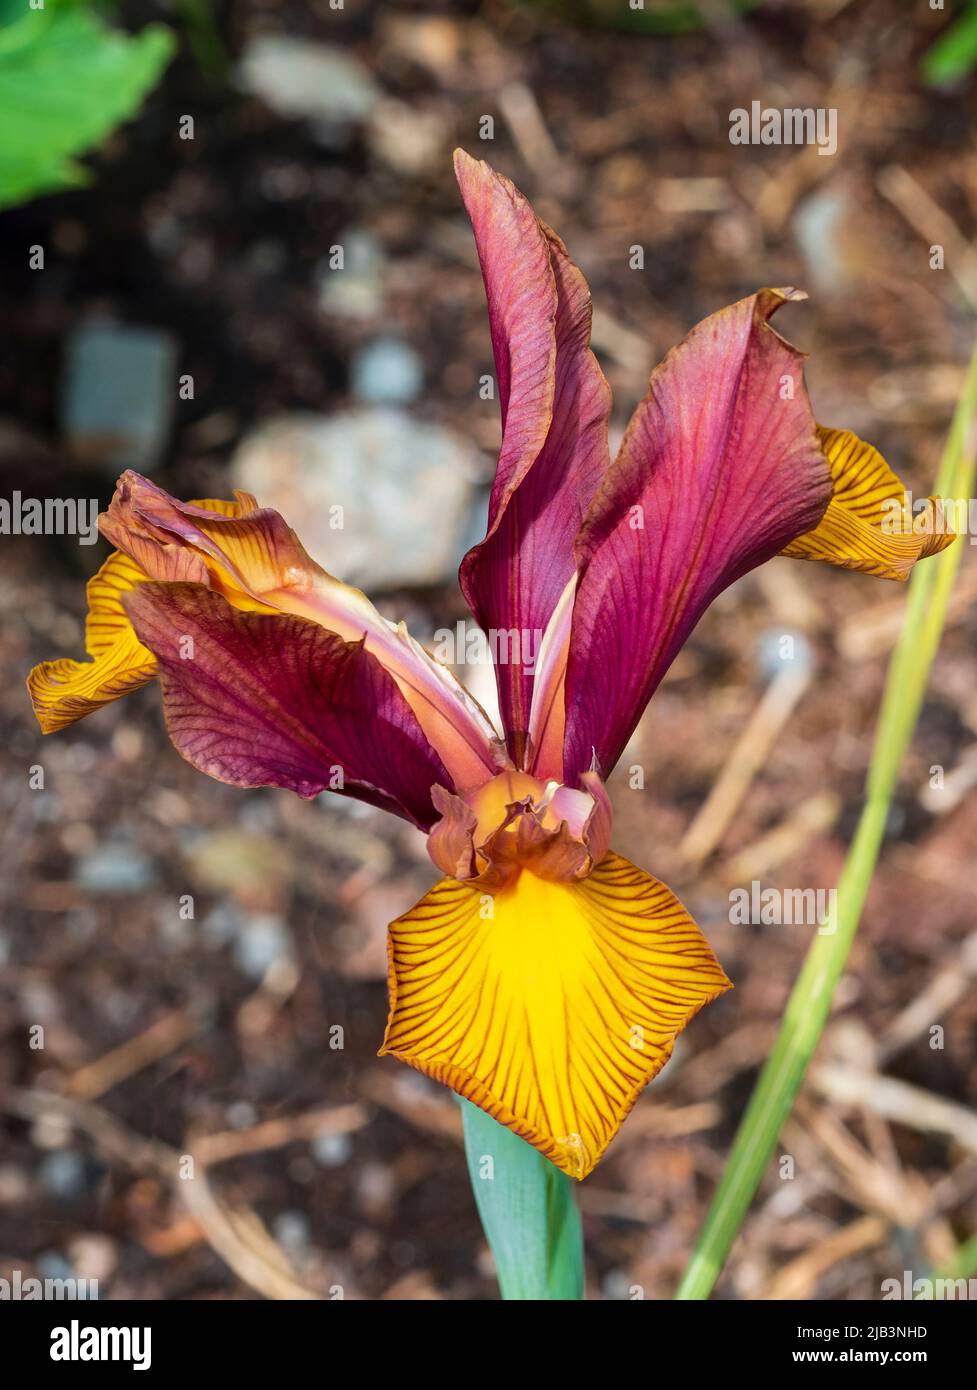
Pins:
<point x="528" y="1212"/>
<point x="810" y="1002"/>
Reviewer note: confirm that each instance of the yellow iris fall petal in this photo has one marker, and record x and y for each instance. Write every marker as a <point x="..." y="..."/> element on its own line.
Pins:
<point x="550" y="1005"/>
<point x="64" y="691"/>
<point x="862" y="528"/>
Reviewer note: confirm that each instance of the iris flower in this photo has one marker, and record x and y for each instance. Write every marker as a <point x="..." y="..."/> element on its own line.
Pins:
<point x="544" y="977"/>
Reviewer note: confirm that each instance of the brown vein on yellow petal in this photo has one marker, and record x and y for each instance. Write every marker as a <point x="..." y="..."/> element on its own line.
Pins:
<point x="63" y="691"/>
<point x="107" y="619"/>
<point x="554" y="1012"/>
<point x="858" y="530"/>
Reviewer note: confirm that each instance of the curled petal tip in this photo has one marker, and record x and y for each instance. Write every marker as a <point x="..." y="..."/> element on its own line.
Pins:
<point x="63" y="691"/>
<point x="768" y="301"/>
<point x="868" y="525"/>
<point x="788" y="294"/>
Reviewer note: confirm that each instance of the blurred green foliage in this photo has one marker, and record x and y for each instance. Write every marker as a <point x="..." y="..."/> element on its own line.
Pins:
<point x="954" y="54"/>
<point x="67" y="79"/>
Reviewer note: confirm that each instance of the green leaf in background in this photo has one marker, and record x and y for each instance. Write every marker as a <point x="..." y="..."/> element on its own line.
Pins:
<point x="66" y="80"/>
<point x="954" y="54"/>
<point x="528" y="1212"/>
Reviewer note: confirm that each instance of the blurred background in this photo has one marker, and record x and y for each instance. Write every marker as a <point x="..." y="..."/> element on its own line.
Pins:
<point x="256" y="271"/>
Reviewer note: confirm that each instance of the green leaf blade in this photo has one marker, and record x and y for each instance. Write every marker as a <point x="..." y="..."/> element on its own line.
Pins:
<point x="66" y="81"/>
<point x="954" y="54"/>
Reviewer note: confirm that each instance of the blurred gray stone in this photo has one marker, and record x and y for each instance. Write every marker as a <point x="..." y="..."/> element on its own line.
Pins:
<point x="408" y="138"/>
<point x="375" y="1189"/>
<point x="314" y="82"/>
<point x="291" y="1230"/>
<point x="222" y="924"/>
<point x="332" y="1150"/>
<point x="114" y="867"/>
<point x="617" y="1285"/>
<point x="379" y="499"/>
<point x="262" y="942"/>
<point x="51" y="1264"/>
<point x="241" y="1114"/>
<point x="354" y="289"/>
<point x="63" y="1173"/>
<point x="93" y="1256"/>
<point x="781" y="649"/>
<point x="387" y="372"/>
<point x="118" y="393"/>
<point x="817" y="226"/>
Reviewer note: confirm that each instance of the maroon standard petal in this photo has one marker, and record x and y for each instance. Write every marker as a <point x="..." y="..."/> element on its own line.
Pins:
<point x="719" y="469"/>
<point x="555" y="405"/>
<point x="268" y="700"/>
